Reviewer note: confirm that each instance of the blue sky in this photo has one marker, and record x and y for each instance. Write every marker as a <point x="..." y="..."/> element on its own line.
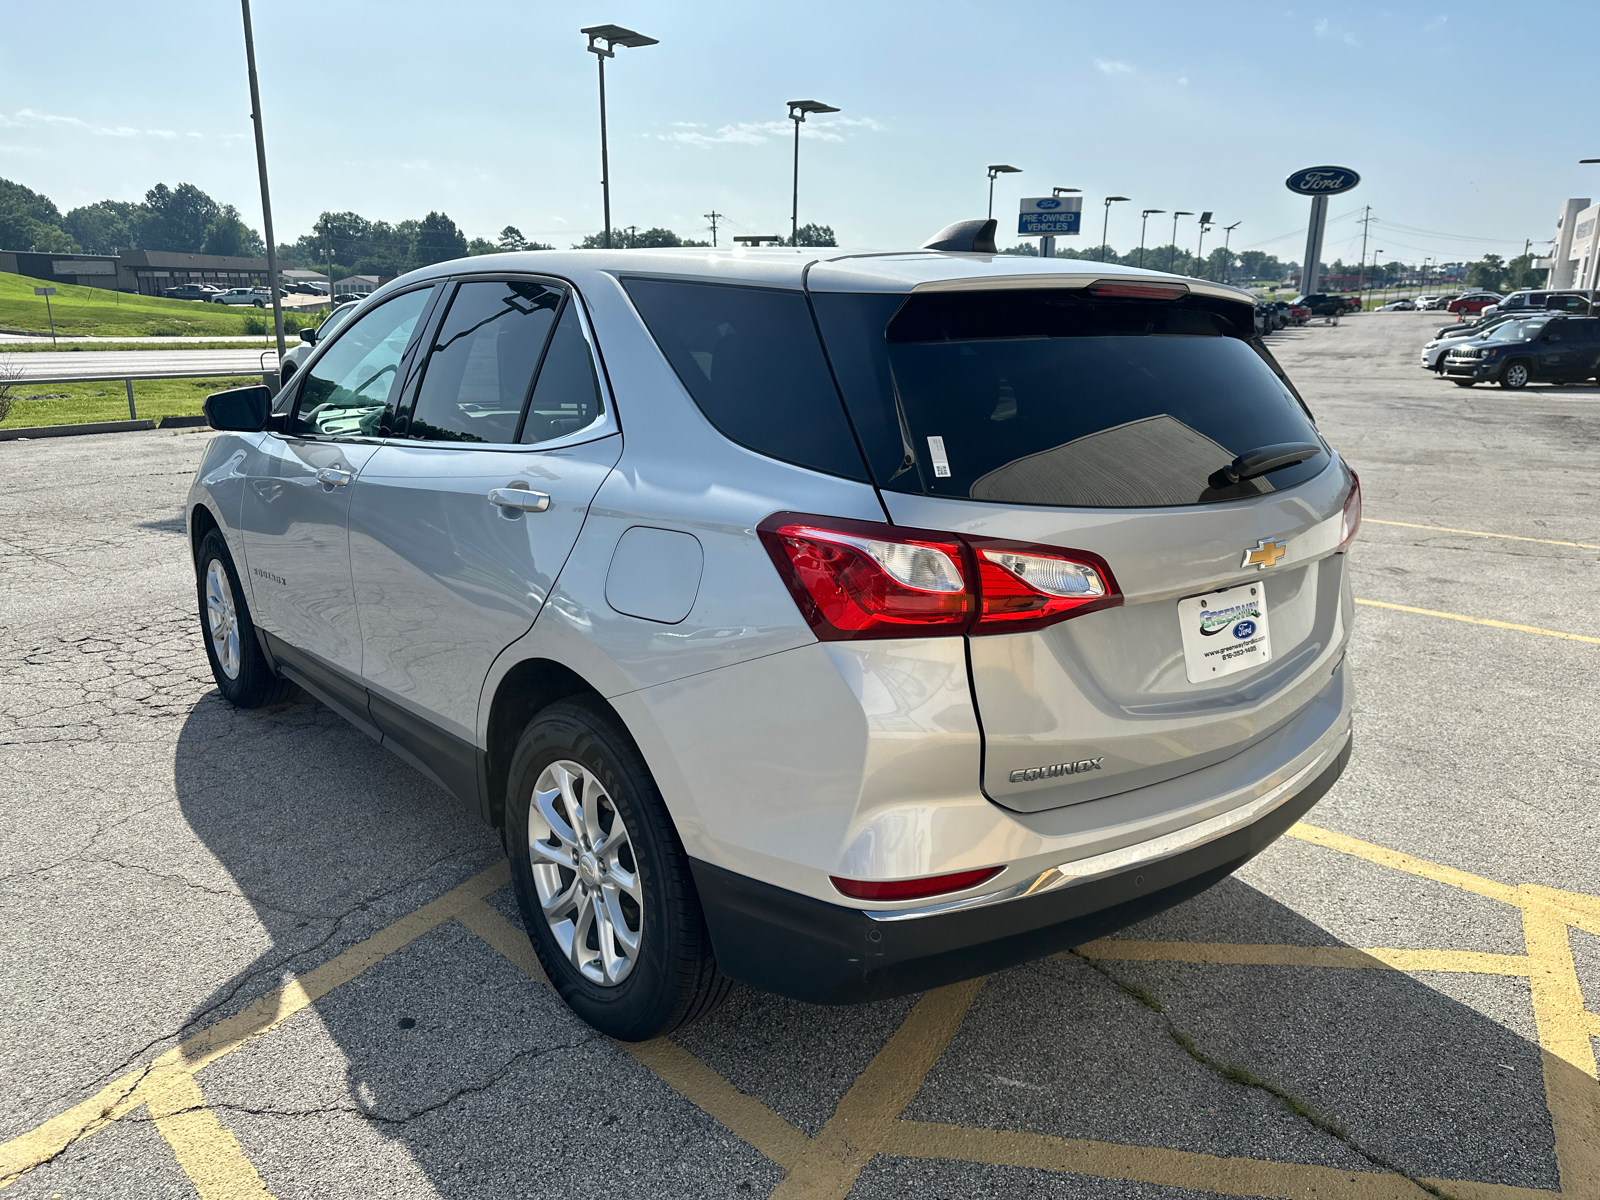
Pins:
<point x="487" y="111"/>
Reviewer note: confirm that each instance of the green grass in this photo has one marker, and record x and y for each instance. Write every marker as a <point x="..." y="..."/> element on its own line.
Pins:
<point x="91" y="347"/>
<point x="99" y="312"/>
<point x="71" y="403"/>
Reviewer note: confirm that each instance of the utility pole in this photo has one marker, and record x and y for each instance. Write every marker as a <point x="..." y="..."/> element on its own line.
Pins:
<point x="266" y="196"/>
<point x="712" y="217"/>
<point x="1361" y="279"/>
<point x="613" y="36"/>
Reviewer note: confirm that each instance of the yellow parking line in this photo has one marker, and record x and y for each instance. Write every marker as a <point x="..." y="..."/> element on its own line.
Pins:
<point x="1467" y="962"/>
<point x="21" y="1154"/>
<point x="1429" y="612"/>
<point x="1400" y="861"/>
<point x="1506" y="537"/>
<point x="208" y="1153"/>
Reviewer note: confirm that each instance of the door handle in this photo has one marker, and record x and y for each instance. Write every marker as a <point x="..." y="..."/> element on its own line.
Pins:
<point x="334" y="477"/>
<point x="520" y="498"/>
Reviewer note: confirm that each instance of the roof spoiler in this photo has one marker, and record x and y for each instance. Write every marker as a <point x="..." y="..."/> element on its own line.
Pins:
<point x="971" y="237"/>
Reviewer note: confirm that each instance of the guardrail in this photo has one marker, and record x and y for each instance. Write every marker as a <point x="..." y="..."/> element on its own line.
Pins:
<point x="269" y="378"/>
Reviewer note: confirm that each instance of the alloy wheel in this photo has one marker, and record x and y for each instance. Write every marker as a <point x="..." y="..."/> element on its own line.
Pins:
<point x="222" y="619"/>
<point x="1516" y="375"/>
<point x="585" y="872"/>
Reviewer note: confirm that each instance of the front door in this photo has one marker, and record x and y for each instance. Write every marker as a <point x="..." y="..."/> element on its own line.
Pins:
<point x="295" y="517"/>
<point x="459" y="529"/>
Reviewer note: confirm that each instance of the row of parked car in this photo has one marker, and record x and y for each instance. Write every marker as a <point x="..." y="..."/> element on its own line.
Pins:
<point x="1526" y="337"/>
<point x="1273" y="315"/>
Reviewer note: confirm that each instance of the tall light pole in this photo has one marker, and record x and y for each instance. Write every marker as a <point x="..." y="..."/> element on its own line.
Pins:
<point x="1172" y="259"/>
<point x="998" y="169"/>
<point x="1227" y="258"/>
<point x="1144" y="219"/>
<point x="797" y="113"/>
<point x="1047" y="242"/>
<point x="1199" y="260"/>
<point x="1105" y="225"/>
<point x="261" y="165"/>
<point x="613" y="36"/>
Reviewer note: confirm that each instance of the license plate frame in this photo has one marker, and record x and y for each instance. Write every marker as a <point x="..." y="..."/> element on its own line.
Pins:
<point x="1225" y="632"/>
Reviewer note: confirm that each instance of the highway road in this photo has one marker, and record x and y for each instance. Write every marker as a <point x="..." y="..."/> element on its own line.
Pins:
<point x="45" y="366"/>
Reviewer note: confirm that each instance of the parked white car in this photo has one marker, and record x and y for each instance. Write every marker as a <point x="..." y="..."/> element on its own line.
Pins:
<point x="296" y="357"/>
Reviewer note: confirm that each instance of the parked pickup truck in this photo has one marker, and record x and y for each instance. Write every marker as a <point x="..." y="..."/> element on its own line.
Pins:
<point x="1329" y="304"/>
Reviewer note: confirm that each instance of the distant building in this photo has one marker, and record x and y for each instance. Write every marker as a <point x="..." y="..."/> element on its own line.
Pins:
<point x="292" y="275"/>
<point x="360" y="283"/>
<point x="151" y="272"/>
<point x="84" y="270"/>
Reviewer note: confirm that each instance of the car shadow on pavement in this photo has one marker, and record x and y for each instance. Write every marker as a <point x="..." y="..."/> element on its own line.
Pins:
<point x="444" y="1069"/>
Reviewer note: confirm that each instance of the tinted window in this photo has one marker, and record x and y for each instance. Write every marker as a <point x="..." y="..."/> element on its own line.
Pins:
<point x="1058" y="398"/>
<point x="751" y="360"/>
<point x="344" y="391"/>
<point x="482" y="361"/>
<point x="567" y="396"/>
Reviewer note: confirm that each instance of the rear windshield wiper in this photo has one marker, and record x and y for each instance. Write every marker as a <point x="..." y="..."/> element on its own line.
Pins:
<point x="1262" y="460"/>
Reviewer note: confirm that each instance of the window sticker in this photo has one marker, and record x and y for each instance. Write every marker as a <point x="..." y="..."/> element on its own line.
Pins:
<point x="941" y="464"/>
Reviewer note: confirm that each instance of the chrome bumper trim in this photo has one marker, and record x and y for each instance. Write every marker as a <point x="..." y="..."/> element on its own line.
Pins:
<point x="1098" y="866"/>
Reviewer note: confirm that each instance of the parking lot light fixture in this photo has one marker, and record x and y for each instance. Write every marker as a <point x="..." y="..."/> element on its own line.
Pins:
<point x="1199" y="258"/>
<point x="1172" y="259"/>
<point x="1105" y="225"/>
<point x="1144" y="220"/>
<point x="994" y="170"/>
<point x="797" y="113"/>
<point x="1227" y="258"/>
<point x="613" y="36"/>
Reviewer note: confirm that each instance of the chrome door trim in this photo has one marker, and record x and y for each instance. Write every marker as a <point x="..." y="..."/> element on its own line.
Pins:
<point x="1098" y="866"/>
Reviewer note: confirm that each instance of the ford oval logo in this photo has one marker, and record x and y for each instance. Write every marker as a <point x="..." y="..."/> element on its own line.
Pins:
<point x="1049" y="202"/>
<point x="1322" y="181"/>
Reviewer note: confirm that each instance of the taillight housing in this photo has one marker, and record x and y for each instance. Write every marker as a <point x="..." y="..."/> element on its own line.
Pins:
<point x="863" y="579"/>
<point x="1350" y="523"/>
<point x="913" y="889"/>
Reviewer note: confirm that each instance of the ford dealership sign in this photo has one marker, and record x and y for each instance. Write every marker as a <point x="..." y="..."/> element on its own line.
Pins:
<point x="1322" y="181"/>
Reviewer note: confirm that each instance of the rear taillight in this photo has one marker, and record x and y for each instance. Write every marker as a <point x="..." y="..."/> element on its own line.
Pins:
<point x="1350" y="524"/>
<point x="861" y="579"/>
<point x="913" y="889"/>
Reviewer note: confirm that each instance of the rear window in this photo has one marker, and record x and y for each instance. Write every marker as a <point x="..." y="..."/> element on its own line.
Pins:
<point x="751" y="360"/>
<point x="1056" y="397"/>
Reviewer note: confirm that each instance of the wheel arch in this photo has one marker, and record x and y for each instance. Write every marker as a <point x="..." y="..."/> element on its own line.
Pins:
<point x="528" y="688"/>
<point x="201" y="522"/>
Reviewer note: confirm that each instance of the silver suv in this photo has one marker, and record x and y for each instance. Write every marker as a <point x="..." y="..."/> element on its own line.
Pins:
<point x="844" y="624"/>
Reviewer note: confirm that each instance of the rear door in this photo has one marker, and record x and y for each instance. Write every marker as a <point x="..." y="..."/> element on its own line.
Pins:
<point x="461" y="522"/>
<point x="1104" y="423"/>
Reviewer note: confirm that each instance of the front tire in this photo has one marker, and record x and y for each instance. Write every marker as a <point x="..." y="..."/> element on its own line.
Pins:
<point x="1515" y="375"/>
<point x="602" y="879"/>
<point x="241" y="670"/>
<point x="1463" y="382"/>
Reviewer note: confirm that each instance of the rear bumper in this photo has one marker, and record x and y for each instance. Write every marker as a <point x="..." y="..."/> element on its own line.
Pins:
<point x="781" y="941"/>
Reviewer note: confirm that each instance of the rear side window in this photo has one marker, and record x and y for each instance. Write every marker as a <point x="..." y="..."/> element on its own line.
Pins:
<point x="751" y="360"/>
<point x="1056" y="397"/>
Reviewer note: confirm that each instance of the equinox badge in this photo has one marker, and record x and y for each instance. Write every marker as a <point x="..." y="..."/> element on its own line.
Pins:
<point x="1029" y="774"/>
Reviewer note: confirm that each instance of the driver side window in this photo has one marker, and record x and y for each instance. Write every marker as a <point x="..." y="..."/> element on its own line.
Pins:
<point x="345" y="391"/>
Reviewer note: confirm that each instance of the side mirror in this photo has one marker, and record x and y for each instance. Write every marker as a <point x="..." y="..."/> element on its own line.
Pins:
<point x="308" y="336"/>
<point x="239" y="410"/>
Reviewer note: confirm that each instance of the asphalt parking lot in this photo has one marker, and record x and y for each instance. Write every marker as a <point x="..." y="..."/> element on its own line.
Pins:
<point x="251" y="954"/>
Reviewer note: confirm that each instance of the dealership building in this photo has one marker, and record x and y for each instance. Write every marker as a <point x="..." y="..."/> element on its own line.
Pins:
<point x="147" y="272"/>
<point x="1573" y="262"/>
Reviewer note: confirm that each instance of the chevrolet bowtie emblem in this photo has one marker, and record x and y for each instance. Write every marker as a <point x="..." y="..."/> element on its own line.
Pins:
<point x="1266" y="554"/>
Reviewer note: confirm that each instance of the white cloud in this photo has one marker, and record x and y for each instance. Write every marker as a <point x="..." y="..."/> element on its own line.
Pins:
<point x="28" y="118"/>
<point x="1436" y="24"/>
<point x="1323" y="29"/>
<point x="1183" y="81"/>
<point x="757" y="133"/>
<point x="1113" y="66"/>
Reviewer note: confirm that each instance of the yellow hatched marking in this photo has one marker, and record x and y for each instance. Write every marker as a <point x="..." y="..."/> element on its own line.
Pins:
<point x="1400" y="861"/>
<point x="1172" y="1168"/>
<point x="1430" y="612"/>
<point x="208" y="1153"/>
<point x="22" y="1154"/>
<point x="1469" y="962"/>
<point x="1505" y="537"/>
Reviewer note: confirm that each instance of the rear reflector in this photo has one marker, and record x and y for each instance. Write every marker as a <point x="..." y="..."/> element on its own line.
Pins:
<point x="1138" y="291"/>
<point x="1350" y="525"/>
<point x="862" y="579"/>
<point x="913" y="889"/>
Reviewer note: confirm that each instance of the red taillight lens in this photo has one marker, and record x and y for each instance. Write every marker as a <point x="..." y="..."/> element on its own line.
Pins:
<point x="1351" y="524"/>
<point x="857" y="579"/>
<point x="913" y="889"/>
<point x="861" y="579"/>
<point x="1029" y="587"/>
<point x="1140" y="290"/>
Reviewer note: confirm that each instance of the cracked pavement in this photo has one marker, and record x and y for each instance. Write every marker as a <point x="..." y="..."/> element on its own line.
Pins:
<point x="171" y="868"/>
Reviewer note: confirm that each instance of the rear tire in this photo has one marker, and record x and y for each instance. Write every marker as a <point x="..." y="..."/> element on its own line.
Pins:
<point x="1463" y="382"/>
<point x="241" y="670"/>
<point x="1515" y="375"/>
<point x="628" y="879"/>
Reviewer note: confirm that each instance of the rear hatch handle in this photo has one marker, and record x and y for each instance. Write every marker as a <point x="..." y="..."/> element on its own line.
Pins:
<point x="1262" y="460"/>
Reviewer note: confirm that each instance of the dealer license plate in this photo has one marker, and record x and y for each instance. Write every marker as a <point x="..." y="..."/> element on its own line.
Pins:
<point x="1225" y="632"/>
